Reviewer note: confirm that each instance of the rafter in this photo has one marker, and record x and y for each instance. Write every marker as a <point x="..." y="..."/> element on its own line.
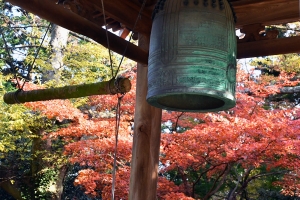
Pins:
<point x="266" y="12"/>
<point x="46" y="9"/>
<point x="125" y="11"/>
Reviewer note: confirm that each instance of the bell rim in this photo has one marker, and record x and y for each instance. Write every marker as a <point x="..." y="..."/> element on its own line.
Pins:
<point x="228" y="103"/>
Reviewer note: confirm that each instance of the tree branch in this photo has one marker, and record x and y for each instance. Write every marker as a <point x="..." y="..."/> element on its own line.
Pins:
<point x="266" y="174"/>
<point x="290" y="90"/>
<point x="11" y="189"/>
<point x="177" y="119"/>
<point x="83" y="37"/>
<point x="216" y="186"/>
<point x="20" y="47"/>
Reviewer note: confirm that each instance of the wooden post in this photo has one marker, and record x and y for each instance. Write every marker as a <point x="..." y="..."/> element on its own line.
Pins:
<point x="146" y="138"/>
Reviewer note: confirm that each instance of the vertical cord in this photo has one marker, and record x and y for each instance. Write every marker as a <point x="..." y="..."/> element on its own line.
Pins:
<point x="20" y="88"/>
<point x="107" y="40"/>
<point x="36" y="55"/>
<point x="118" y="110"/>
<point x="135" y="23"/>
<point x="118" y="119"/>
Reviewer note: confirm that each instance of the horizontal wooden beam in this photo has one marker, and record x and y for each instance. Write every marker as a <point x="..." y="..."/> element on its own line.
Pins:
<point x="268" y="47"/>
<point x="148" y="2"/>
<point x="121" y="85"/>
<point x="237" y="3"/>
<point x="269" y="12"/>
<point x="48" y="10"/>
<point x="126" y="12"/>
<point x="52" y="12"/>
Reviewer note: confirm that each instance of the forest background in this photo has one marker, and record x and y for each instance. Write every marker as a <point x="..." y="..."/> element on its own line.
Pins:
<point x="63" y="149"/>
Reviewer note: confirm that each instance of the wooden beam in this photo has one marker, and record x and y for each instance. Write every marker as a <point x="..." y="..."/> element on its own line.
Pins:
<point x="146" y="139"/>
<point x="48" y="10"/>
<point x="126" y="12"/>
<point x="251" y="2"/>
<point x="148" y="2"/>
<point x="266" y="12"/>
<point x="268" y="47"/>
<point x="121" y="85"/>
<point x="283" y="10"/>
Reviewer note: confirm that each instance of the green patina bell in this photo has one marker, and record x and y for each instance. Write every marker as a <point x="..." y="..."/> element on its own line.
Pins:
<point x="192" y="56"/>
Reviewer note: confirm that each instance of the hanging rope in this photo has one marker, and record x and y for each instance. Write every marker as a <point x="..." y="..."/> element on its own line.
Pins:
<point x="20" y="88"/>
<point x="36" y="55"/>
<point x="118" y="119"/>
<point x="107" y="40"/>
<point x="114" y="75"/>
<point x="135" y="23"/>
<point x="29" y="68"/>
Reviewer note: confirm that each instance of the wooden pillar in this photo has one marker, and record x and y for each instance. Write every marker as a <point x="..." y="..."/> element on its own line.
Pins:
<point x="146" y="138"/>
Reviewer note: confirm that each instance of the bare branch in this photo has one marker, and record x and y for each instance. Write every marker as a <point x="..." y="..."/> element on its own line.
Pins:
<point x="20" y="47"/>
<point x="290" y="90"/>
<point x="82" y="37"/>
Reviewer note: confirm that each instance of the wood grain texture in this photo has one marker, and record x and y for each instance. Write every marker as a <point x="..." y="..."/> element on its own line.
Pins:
<point x="146" y="139"/>
<point x="266" y="12"/>
<point x="248" y="12"/>
<point x="269" y="47"/>
<point x="122" y="85"/>
<point x="126" y="12"/>
<point x="57" y="14"/>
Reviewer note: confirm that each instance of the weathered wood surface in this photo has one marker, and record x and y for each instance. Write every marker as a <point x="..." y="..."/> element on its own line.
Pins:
<point x="126" y="12"/>
<point x="268" y="47"/>
<point x="248" y="12"/>
<point x="47" y="9"/>
<point x="146" y="139"/>
<point x="123" y="85"/>
<point x="266" y="12"/>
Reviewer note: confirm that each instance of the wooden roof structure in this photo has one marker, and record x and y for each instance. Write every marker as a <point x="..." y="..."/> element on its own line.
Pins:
<point x="86" y="17"/>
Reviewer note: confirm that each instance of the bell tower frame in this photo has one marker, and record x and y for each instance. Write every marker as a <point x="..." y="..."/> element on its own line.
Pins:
<point x="252" y="17"/>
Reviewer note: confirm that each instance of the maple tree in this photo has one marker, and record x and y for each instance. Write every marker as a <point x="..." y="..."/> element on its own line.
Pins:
<point x="37" y="161"/>
<point x="228" y="154"/>
<point x="234" y="145"/>
<point x="202" y="156"/>
<point x="219" y="153"/>
<point x="25" y="173"/>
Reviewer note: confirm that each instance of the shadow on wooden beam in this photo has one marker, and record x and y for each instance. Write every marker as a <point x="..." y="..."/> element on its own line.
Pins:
<point x="47" y="9"/>
<point x="268" y="47"/>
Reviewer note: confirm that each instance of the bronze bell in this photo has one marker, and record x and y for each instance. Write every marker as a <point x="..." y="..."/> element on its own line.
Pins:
<point x="192" y="56"/>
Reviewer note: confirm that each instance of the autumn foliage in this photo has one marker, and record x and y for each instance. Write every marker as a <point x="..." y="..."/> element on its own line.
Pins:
<point x="224" y="151"/>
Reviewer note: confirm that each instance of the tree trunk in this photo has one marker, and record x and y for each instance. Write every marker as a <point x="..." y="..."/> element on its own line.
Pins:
<point x="122" y="85"/>
<point x="60" y="182"/>
<point x="58" y="42"/>
<point x="146" y="138"/>
<point x="184" y="178"/>
<point x="55" y="187"/>
<point x="36" y="165"/>
<point x="11" y="189"/>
